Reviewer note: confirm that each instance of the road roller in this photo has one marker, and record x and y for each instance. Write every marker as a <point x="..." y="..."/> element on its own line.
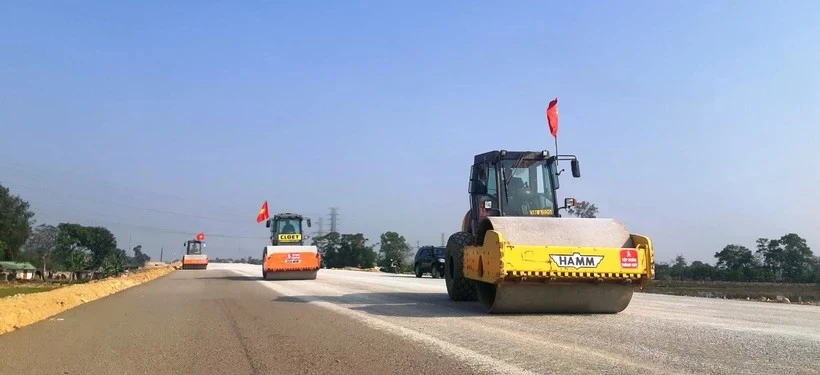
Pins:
<point x="287" y="257"/>
<point x="515" y="253"/>
<point x="194" y="258"/>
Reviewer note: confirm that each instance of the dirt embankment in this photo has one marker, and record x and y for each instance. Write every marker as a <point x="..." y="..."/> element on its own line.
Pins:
<point x="22" y="310"/>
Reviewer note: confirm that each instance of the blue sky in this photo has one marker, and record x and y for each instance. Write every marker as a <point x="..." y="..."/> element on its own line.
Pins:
<point x="694" y="121"/>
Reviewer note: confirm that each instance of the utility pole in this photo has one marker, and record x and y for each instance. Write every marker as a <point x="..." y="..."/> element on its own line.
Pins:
<point x="161" y="249"/>
<point x="442" y="240"/>
<point x="334" y="219"/>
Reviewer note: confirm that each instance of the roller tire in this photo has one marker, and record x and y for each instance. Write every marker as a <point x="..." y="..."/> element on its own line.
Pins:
<point x="459" y="288"/>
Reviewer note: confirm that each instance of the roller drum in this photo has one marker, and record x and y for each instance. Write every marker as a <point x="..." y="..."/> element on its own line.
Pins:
<point x="510" y="298"/>
<point x="291" y="275"/>
<point x="543" y="296"/>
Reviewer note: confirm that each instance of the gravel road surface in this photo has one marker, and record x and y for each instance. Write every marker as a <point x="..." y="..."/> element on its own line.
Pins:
<point x="226" y="321"/>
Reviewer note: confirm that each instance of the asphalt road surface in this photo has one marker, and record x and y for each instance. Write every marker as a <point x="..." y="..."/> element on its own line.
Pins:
<point x="225" y="320"/>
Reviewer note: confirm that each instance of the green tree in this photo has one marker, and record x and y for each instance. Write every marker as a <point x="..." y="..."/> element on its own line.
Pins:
<point x="393" y="246"/>
<point x="114" y="263"/>
<point x="16" y="220"/>
<point x="679" y="268"/>
<point x="354" y="251"/>
<point x="99" y="240"/>
<point x="583" y="209"/>
<point x="738" y="263"/>
<point x="788" y="258"/>
<point x="139" y="258"/>
<point x="700" y="271"/>
<point x="734" y="257"/>
<point x="663" y="271"/>
<point x="328" y="246"/>
<point x="771" y="256"/>
<point x="798" y="258"/>
<point x="40" y="247"/>
<point x="77" y="258"/>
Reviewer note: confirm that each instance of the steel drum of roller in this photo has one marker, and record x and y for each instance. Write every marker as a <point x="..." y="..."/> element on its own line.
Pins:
<point x="540" y="293"/>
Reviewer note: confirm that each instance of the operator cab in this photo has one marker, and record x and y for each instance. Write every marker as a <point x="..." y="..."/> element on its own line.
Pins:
<point x="193" y="247"/>
<point x="287" y="228"/>
<point x="516" y="183"/>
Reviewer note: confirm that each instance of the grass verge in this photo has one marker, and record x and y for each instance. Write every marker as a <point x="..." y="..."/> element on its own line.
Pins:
<point x="22" y="310"/>
<point x="795" y="293"/>
<point x="11" y="290"/>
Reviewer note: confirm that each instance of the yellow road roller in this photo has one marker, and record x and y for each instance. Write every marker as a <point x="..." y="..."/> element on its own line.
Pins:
<point x="516" y="254"/>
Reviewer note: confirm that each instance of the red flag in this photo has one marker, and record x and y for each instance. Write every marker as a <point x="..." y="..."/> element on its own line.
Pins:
<point x="200" y="236"/>
<point x="263" y="213"/>
<point x="552" y="117"/>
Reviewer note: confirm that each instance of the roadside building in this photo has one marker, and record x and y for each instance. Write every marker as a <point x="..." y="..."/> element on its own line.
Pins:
<point x="21" y="270"/>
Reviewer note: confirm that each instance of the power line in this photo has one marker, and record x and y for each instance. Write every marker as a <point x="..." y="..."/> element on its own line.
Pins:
<point x="73" y="197"/>
<point x="51" y="192"/>
<point x="99" y="219"/>
<point x="21" y="168"/>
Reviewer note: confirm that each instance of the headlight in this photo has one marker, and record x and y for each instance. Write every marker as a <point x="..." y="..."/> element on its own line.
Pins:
<point x="441" y="260"/>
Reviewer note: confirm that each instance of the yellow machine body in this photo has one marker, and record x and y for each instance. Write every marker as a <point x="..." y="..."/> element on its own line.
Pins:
<point x="557" y="265"/>
<point x="497" y="261"/>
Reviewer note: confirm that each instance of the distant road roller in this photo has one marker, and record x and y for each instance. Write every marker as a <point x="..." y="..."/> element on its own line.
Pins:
<point x="516" y="254"/>
<point x="194" y="258"/>
<point x="287" y="257"/>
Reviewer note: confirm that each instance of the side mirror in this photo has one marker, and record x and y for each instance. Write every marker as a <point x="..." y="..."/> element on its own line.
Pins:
<point x="267" y="224"/>
<point x="569" y="202"/>
<point x="576" y="169"/>
<point x="308" y="220"/>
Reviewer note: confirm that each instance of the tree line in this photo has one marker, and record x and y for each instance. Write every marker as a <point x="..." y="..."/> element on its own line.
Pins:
<point x="340" y="250"/>
<point x="65" y="247"/>
<point x="74" y="247"/>
<point x="786" y="259"/>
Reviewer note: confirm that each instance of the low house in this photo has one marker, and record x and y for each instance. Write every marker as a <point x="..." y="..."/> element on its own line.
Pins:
<point x="21" y="270"/>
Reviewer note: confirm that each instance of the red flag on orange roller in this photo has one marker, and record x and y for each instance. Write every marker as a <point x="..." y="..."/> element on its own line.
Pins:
<point x="200" y="236"/>
<point x="552" y="117"/>
<point x="263" y="213"/>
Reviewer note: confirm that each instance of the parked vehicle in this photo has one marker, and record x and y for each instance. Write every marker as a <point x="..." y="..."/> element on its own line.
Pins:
<point x="429" y="259"/>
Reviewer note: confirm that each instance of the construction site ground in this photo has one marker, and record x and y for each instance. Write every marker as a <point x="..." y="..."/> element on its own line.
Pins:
<point x="225" y="320"/>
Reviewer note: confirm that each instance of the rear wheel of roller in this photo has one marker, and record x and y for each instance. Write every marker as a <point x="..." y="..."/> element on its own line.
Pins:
<point x="459" y="288"/>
